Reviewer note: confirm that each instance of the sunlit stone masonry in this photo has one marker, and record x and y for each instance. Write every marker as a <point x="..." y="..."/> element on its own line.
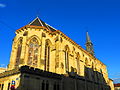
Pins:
<point x="44" y="58"/>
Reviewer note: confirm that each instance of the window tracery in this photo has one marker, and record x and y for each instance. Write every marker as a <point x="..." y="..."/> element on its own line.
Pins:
<point x="33" y="52"/>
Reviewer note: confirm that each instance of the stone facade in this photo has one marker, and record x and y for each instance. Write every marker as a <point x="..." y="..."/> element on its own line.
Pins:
<point x="41" y="46"/>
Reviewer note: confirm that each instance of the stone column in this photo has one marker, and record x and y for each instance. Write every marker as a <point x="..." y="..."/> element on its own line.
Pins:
<point x="13" y="56"/>
<point x="23" y="52"/>
<point x="52" y="57"/>
<point x="42" y="61"/>
<point x="82" y="72"/>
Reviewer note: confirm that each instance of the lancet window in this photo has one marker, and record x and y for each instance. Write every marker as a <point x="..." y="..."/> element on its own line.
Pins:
<point x="33" y="52"/>
<point x="47" y="56"/>
<point x="19" y="49"/>
<point x="67" y="59"/>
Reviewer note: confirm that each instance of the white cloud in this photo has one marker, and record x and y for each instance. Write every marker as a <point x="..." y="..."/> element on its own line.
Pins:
<point x="2" y="5"/>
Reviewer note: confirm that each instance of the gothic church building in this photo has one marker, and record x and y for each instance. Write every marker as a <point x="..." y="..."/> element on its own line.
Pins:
<point x="44" y="58"/>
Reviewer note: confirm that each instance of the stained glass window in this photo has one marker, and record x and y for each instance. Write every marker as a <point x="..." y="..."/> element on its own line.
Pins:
<point x="33" y="52"/>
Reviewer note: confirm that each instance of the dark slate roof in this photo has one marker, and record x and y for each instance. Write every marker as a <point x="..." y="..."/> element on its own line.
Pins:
<point x="39" y="22"/>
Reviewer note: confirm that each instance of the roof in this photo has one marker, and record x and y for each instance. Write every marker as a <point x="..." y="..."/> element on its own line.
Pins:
<point x="117" y="85"/>
<point x="39" y="22"/>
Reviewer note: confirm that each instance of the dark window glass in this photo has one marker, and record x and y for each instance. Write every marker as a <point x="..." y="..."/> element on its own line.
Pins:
<point x="43" y="85"/>
<point x="8" y="86"/>
<point x="2" y="87"/>
<point x="47" y="86"/>
<point x="55" y="86"/>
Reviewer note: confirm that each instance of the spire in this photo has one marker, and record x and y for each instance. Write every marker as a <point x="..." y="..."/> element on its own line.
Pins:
<point x="89" y="44"/>
<point x="88" y="37"/>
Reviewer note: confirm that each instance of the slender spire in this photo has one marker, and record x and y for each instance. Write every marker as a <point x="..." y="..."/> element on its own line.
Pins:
<point x="89" y="44"/>
<point x="88" y="37"/>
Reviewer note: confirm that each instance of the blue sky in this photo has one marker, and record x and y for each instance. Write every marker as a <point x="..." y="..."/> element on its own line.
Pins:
<point x="73" y="17"/>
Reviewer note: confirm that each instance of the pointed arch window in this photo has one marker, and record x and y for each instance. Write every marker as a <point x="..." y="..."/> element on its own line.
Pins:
<point x="33" y="52"/>
<point x="19" y="49"/>
<point x="67" y="59"/>
<point x="47" y="55"/>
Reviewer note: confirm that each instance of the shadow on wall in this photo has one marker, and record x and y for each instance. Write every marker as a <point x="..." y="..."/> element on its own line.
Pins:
<point x="36" y="79"/>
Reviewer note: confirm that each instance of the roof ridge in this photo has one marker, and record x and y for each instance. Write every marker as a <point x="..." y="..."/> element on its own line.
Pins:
<point x="50" y="26"/>
<point x="32" y="21"/>
<point x="38" y="22"/>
